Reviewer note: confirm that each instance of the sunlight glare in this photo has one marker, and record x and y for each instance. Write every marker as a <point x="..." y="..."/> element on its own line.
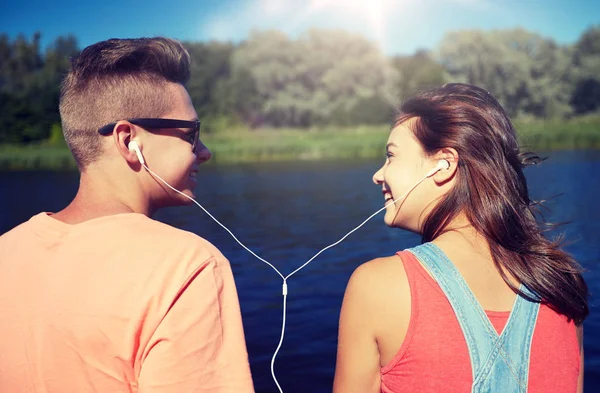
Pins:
<point x="373" y="13"/>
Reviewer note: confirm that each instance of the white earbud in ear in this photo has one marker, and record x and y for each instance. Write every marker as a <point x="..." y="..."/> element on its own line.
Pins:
<point x="134" y="146"/>
<point x="442" y="164"/>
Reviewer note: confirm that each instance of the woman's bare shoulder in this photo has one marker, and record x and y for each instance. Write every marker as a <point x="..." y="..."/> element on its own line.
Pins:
<point x="379" y="292"/>
<point x="379" y="268"/>
<point x="379" y="280"/>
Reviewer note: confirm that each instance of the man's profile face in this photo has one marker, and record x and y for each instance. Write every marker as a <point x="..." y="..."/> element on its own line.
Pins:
<point x="169" y="153"/>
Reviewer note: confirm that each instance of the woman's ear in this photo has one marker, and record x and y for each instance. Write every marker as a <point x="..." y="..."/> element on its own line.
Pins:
<point x="450" y="155"/>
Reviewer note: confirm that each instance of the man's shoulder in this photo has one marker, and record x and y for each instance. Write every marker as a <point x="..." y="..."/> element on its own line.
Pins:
<point x="124" y="232"/>
<point x="158" y="237"/>
<point x="16" y="232"/>
<point x="155" y="249"/>
<point x="172" y="236"/>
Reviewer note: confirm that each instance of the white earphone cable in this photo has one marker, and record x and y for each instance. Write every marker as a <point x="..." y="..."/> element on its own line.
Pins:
<point x="217" y="221"/>
<point x="284" y="289"/>
<point x="352" y="231"/>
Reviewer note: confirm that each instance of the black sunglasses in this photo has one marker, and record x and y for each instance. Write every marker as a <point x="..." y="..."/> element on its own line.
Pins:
<point x="191" y="137"/>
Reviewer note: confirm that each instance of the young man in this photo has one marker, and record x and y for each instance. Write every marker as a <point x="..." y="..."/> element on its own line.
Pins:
<point x="99" y="297"/>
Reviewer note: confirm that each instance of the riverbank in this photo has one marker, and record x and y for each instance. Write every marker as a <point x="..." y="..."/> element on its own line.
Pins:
<point x="242" y="145"/>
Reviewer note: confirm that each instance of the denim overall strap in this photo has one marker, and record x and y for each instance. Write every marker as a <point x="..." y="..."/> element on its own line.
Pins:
<point x="498" y="363"/>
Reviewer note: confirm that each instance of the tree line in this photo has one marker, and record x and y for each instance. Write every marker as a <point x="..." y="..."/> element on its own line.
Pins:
<point x="323" y="77"/>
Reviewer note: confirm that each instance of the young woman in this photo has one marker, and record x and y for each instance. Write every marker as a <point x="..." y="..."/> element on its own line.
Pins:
<point x="487" y="303"/>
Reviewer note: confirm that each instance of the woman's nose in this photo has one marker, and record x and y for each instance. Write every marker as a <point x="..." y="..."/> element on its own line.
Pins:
<point x="378" y="176"/>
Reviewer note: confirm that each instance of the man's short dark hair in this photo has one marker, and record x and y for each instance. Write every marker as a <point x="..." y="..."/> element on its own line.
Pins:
<point x="114" y="80"/>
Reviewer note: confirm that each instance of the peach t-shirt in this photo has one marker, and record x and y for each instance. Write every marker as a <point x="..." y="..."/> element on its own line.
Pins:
<point x="116" y="304"/>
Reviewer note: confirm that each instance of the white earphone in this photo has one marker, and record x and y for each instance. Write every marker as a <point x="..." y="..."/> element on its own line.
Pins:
<point x="442" y="164"/>
<point x="134" y="146"/>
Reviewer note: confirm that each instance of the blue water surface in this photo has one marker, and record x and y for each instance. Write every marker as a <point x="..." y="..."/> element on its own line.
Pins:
<point x="287" y="212"/>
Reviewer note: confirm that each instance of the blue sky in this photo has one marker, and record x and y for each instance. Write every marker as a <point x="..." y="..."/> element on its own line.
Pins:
<point x="398" y="26"/>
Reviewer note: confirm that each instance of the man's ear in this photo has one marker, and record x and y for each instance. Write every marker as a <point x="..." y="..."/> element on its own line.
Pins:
<point x="451" y="156"/>
<point x="123" y="133"/>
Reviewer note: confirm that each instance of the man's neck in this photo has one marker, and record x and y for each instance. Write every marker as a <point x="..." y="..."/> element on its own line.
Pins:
<point x="101" y="194"/>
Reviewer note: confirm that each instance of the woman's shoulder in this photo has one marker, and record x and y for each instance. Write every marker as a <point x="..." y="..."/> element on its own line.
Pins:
<point x="379" y="292"/>
<point x="378" y="282"/>
<point x="374" y="273"/>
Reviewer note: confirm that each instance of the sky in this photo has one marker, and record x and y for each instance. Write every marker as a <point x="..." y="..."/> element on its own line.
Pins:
<point x="396" y="26"/>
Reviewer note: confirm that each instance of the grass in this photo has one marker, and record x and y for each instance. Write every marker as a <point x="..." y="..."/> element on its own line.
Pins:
<point x="574" y="134"/>
<point x="242" y="145"/>
<point x="35" y="156"/>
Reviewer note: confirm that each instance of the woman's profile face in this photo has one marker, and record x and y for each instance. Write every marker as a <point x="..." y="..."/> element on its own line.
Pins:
<point x="405" y="165"/>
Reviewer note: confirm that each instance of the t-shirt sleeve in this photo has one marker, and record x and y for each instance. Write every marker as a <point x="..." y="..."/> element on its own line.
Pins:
<point x="199" y="345"/>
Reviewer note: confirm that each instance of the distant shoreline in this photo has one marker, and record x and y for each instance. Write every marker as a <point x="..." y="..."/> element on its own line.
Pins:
<point x="241" y="145"/>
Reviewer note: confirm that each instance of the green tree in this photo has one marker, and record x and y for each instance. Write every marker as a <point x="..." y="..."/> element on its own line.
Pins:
<point x="419" y="71"/>
<point x="29" y="86"/>
<point x="210" y="72"/>
<point x="322" y="77"/>
<point x="586" y="62"/>
<point x="528" y="73"/>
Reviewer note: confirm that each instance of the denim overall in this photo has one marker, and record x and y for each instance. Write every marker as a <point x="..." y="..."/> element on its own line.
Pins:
<point x="499" y="363"/>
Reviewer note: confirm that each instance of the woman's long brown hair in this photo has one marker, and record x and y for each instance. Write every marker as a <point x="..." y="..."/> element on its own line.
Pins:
<point x="492" y="191"/>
